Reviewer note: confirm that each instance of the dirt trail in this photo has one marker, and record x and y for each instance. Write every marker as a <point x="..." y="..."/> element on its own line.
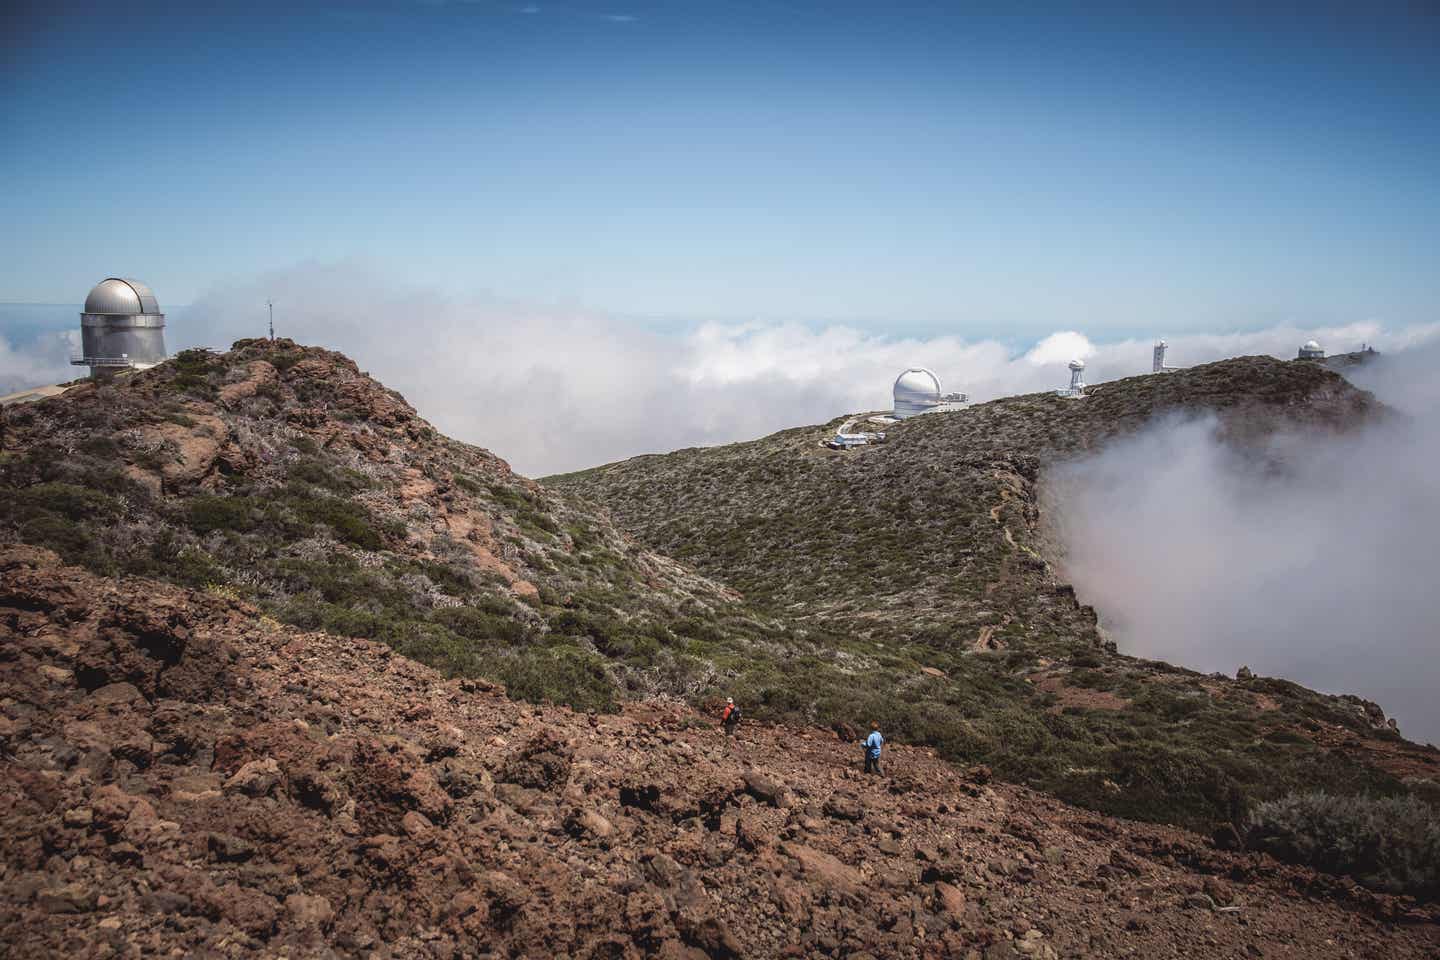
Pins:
<point x="176" y="777"/>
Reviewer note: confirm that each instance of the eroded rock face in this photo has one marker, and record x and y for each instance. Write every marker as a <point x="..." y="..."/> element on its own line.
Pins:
<point x="177" y="778"/>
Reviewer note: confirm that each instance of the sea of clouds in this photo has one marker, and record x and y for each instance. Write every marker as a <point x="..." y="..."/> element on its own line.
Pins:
<point x="1322" y="571"/>
<point x="557" y="388"/>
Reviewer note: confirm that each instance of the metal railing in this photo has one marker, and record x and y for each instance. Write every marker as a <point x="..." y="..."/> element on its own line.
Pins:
<point x="78" y="360"/>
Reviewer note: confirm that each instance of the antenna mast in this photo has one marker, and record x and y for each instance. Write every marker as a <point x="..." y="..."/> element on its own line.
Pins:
<point x="271" y="305"/>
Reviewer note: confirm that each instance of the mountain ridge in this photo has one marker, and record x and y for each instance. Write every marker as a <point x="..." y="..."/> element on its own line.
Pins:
<point x="282" y="477"/>
<point x="940" y="544"/>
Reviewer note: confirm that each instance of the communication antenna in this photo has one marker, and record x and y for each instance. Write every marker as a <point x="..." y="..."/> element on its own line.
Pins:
<point x="271" y="305"/>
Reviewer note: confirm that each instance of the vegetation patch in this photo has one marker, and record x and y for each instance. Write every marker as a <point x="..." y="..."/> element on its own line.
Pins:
<point x="1387" y="843"/>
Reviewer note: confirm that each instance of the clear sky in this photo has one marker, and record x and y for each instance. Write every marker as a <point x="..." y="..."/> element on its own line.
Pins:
<point x="904" y="167"/>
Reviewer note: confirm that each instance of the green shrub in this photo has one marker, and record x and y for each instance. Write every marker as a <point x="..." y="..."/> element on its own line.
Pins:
<point x="1388" y="843"/>
<point x="205" y="514"/>
<point x="452" y="578"/>
<point x="191" y="370"/>
<point x="62" y="499"/>
<point x="530" y="520"/>
<point x="336" y="479"/>
<point x="350" y="521"/>
<point x="561" y="674"/>
<point x="468" y="484"/>
<point x="72" y="541"/>
<point x="482" y="628"/>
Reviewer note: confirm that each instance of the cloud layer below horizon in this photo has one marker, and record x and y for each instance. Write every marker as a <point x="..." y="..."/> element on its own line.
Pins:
<point x="556" y="388"/>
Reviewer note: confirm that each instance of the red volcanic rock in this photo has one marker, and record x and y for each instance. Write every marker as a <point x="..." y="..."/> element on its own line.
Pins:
<point x="179" y="779"/>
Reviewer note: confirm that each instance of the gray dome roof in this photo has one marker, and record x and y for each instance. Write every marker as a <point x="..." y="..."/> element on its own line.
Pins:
<point x="121" y="296"/>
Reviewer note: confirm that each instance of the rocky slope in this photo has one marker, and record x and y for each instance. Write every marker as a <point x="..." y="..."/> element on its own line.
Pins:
<point x="284" y="475"/>
<point x="181" y="776"/>
<point x="930" y="559"/>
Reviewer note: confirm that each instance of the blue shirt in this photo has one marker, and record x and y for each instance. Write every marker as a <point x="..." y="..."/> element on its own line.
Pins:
<point x="873" y="744"/>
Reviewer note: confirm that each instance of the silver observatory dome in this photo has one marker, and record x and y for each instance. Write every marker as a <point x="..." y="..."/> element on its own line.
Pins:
<point x="121" y="297"/>
<point x="121" y="328"/>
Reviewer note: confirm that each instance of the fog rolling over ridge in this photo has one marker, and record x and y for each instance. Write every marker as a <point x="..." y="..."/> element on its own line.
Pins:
<point x="555" y="387"/>
<point x="1322" y="572"/>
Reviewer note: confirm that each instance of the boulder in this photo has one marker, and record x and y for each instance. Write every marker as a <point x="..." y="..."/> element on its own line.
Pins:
<point x="255" y="778"/>
<point x="949" y="901"/>
<point x="308" y="911"/>
<point x="766" y="788"/>
<point x="843" y="806"/>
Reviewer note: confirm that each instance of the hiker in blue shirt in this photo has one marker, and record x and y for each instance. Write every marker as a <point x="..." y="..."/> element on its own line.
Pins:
<point x="873" y="743"/>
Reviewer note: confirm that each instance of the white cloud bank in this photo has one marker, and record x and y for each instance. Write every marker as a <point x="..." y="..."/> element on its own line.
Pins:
<point x="558" y="388"/>
<point x="38" y="362"/>
<point x="1323" y="573"/>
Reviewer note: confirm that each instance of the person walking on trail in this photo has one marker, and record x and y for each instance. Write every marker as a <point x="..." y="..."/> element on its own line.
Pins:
<point x="730" y="719"/>
<point x="873" y="743"/>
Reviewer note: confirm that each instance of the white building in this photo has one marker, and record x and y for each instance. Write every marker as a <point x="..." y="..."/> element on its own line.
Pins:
<point x="917" y="391"/>
<point x="1311" y="350"/>
<point x="1076" y="390"/>
<point x="1158" y="364"/>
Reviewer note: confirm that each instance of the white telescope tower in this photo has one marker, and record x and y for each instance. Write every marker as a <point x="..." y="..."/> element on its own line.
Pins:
<point x="1159" y="362"/>
<point x="1076" y="390"/>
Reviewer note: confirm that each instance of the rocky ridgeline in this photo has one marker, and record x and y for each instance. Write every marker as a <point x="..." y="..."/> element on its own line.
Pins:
<point x="180" y="776"/>
<point x="940" y="548"/>
<point x="284" y="475"/>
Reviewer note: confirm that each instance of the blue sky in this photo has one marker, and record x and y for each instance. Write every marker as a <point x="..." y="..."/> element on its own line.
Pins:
<point x="905" y="168"/>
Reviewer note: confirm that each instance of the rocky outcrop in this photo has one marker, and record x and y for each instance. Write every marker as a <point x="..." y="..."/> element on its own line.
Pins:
<point x="178" y="777"/>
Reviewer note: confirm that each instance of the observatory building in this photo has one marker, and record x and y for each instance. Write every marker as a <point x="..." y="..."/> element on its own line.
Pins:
<point x="1158" y="364"/>
<point x="1076" y="390"/>
<point x="917" y="391"/>
<point x="121" y="328"/>
<point x="1311" y="350"/>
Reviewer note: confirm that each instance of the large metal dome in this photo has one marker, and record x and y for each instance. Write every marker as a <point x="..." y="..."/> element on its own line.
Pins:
<point x="121" y="297"/>
<point x="917" y="390"/>
<point x="121" y="328"/>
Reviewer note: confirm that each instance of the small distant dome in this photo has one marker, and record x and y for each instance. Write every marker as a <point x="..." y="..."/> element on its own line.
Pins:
<point x="1311" y="350"/>
<point x="1077" y="364"/>
<point x="917" y="390"/>
<point x="124" y="297"/>
<point x="1312" y="344"/>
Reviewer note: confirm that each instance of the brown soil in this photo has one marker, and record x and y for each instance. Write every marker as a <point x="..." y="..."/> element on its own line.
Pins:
<point x="1082" y="697"/>
<point x="178" y="777"/>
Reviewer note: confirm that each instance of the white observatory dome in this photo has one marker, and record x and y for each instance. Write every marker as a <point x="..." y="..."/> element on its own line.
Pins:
<point x="1311" y="350"/>
<point x="1312" y="344"/>
<point x="115" y="296"/>
<point x="1077" y="364"/>
<point x="917" y="390"/>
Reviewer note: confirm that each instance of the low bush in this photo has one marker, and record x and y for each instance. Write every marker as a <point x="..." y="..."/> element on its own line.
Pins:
<point x="560" y="674"/>
<point x="350" y="521"/>
<point x="206" y="514"/>
<point x="1388" y="843"/>
<point x="480" y="627"/>
<point x="336" y="479"/>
